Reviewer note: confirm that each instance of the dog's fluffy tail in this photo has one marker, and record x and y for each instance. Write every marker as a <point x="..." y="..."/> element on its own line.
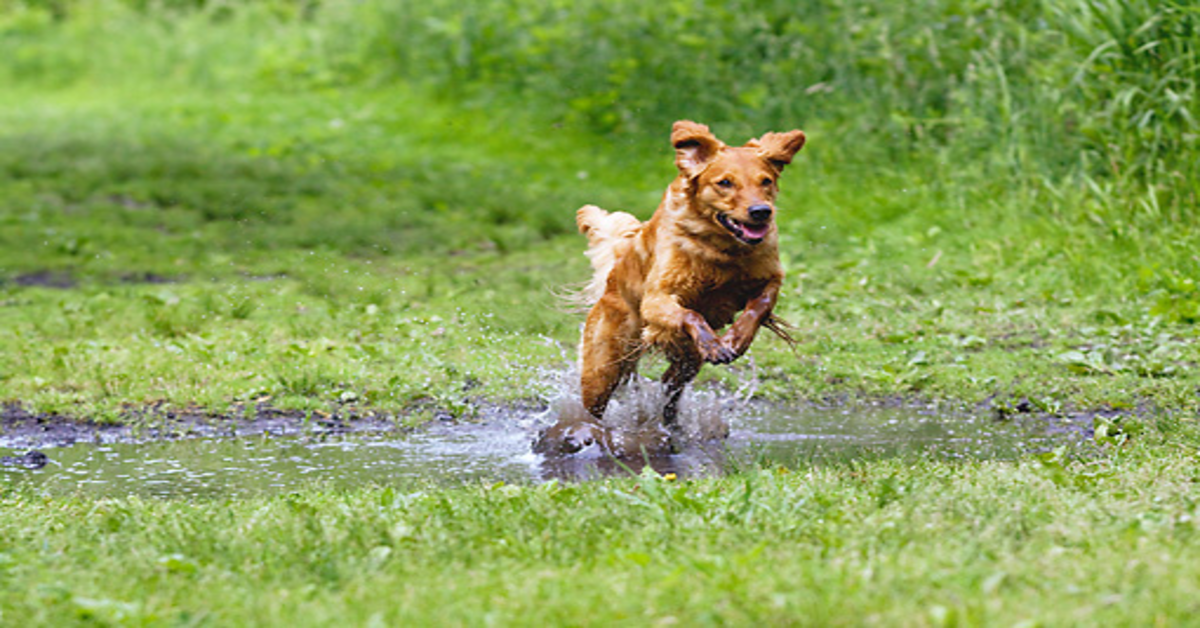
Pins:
<point x="604" y="230"/>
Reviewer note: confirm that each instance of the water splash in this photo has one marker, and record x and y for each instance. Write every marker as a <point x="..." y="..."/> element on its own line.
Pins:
<point x="722" y="430"/>
<point x="633" y="419"/>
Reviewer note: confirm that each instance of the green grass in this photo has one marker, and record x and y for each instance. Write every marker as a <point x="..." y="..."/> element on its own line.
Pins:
<point x="237" y="246"/>
<point x="366" y="207"/>
<point x="297" y="264"/>
<point x="904" y="541"/>
<point x="386" y="212"/>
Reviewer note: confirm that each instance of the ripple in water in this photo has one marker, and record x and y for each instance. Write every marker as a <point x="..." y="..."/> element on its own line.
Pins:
<point x="721" y="432"/>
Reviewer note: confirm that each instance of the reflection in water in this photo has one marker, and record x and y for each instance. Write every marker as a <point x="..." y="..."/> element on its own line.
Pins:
<point x="499" y="450"/>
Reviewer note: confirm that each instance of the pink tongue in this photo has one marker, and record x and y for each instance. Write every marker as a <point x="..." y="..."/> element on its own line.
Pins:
<point x="755" y="232"/>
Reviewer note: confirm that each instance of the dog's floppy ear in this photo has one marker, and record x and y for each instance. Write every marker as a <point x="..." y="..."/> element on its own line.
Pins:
<point x="778" y="148"/>
<point x="694" y="146"/>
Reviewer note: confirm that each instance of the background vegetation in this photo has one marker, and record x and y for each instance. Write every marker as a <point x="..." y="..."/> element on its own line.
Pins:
<point x="991" y="188"/>
<point x="1045" y="89"/>
<point x="366" y="206"/>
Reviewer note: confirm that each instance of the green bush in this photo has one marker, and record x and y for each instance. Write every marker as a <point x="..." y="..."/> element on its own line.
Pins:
<point x="1138" y="91"/>
<point x="1098" y="94"/>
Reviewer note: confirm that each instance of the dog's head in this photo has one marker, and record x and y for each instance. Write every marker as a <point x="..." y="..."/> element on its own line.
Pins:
<point x="734" y="187"/>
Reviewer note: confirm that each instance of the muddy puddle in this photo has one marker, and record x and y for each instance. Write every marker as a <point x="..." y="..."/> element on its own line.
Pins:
<point x="499" y="449"/>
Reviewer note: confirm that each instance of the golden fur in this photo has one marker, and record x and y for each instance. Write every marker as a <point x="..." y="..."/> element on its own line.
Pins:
<point x="709" y="252"/>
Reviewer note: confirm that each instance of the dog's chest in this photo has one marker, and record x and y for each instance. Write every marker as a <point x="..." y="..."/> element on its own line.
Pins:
<point x="718" y="303"/>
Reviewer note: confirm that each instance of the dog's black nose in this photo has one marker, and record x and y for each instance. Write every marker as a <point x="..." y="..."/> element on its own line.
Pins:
<point x="760" y="213"/>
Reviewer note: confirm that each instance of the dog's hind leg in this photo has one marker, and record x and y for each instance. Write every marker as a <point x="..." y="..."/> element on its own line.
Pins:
<point x="678" y="375"/>
<point x="608" y="353"/>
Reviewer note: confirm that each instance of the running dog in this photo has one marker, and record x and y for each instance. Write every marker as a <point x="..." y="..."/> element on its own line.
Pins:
<point x="671" y="283"/>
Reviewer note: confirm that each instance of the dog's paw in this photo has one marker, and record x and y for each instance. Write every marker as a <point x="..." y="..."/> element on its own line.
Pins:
<point x="566" y="438"/>
<point x="716" y="352"/>
<point x="736" y="343"/>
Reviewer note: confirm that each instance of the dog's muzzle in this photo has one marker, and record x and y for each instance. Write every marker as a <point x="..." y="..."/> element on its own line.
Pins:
<point x="748" y="233"/>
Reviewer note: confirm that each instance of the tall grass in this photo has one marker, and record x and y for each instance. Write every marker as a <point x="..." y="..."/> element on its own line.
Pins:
<point x="1138" y="90"/>
<point x="1087" y="106"/>
<point x="1103" y="90"/>
<point x="886" y="78"/>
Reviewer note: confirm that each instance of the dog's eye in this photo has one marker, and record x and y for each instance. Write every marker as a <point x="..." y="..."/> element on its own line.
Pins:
<point x="766" y="182"/>
<point x="725" y="183"/>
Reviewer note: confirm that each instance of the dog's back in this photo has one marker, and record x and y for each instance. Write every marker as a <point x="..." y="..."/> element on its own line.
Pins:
<point x="604" y="231"/>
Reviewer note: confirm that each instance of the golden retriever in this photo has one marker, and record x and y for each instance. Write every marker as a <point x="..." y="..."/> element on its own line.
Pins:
<point x="709" y="252"/>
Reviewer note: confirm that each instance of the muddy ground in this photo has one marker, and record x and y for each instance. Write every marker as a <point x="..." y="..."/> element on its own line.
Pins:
<point x="21" y="429"/>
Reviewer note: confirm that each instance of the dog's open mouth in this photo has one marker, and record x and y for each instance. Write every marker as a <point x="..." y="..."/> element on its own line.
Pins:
<point x="747" y="233"/>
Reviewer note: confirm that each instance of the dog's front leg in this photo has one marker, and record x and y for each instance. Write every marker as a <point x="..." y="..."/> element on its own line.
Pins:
<point x="668" y="322"/>
<point x="741" y="334"/>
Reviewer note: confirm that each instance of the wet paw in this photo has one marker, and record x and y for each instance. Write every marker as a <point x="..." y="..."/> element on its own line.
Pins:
<point x="738" y="343"/>
<point x="716" y="352"/>
<point x="566" y="438"/>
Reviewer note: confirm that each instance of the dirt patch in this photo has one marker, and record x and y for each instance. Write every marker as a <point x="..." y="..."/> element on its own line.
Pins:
<point x="45" y="279"/>
<point x="171" y="452"/>
<point x="150" y="278"/>
<point x="61" y="280"/>
<point x="23" y="430"/>
<point x="32" y="459"/>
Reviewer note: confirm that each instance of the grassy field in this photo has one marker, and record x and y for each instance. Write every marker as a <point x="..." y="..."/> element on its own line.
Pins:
<point x="894" y="542"/>
<point x="189" y="229"/>
<point x="366" y="207"/>
<point x="207" y="250"/>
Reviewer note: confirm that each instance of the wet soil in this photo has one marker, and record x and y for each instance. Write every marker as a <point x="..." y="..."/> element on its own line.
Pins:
<point x="24" y="430"/>
<point x="171" y="453"/>
<point x="63" y="280"/>
<point x="32" y="459"/>
<point x="21" y="429"/>
<point x="44" y="279"/>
